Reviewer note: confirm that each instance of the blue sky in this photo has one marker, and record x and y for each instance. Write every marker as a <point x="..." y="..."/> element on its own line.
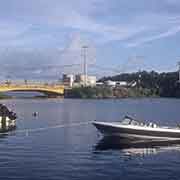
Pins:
<point x="37" y="37"/>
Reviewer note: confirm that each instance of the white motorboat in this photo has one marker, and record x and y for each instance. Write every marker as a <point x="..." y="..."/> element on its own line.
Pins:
<point x="132" y="129"/>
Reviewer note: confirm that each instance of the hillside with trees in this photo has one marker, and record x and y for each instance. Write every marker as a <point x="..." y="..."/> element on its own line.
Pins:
<point x="160" y="84"/>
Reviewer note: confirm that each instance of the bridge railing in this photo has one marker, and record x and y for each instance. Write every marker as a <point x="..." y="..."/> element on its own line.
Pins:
<point x="52" y="88"/>
<point x="31" y="85"/>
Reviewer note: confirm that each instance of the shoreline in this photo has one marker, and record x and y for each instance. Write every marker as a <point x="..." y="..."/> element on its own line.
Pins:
<point x="97" y="93"/>
<point x="107" y="93"/>
<point x="62" y="98"/>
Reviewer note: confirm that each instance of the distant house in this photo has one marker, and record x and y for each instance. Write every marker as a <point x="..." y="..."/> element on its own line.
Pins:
<point x="110" y="83"/>
<point x="116" y="83"/>
<point x="121" y="83"/>
<point x="99" y="83"/>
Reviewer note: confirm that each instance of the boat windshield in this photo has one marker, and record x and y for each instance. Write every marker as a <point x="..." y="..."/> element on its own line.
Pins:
<point x="130" y="121"/>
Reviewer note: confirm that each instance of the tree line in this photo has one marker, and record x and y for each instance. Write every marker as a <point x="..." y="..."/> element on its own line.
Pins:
<point x="160" y="84"/>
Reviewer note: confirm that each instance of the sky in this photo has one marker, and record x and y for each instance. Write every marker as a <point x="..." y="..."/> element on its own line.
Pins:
<point x="39" y="37"/>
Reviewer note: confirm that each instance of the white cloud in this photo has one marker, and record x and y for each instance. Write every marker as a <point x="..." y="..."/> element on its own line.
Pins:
<point x="165" y="34"/>
<point x="46" y="63"/>
<point x="163" y="26"/>
<point x="61" y="15"/>
<point x="75" y="16"/>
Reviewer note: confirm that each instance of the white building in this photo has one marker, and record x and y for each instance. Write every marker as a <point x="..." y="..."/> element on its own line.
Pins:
<point x="91" y="80"/>
<point x="115" y="83"/>
<point x="99" y="83"/>
<point x="81" y="79"/>
<point x="121" y="83"/>
<point x="68" y="79"/>
<point x="110" y="83"/>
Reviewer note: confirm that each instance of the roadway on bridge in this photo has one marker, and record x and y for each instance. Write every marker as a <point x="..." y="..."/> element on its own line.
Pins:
<point x="53" y="89"/>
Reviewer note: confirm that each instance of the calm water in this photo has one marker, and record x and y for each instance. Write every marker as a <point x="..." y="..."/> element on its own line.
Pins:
<point x="77" y="152"/>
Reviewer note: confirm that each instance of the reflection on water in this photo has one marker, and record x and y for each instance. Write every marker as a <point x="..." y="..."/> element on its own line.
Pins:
<point x="132" y="148"/>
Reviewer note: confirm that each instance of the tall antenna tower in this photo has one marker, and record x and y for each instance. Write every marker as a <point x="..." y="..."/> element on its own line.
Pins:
<point x="84" y="48"/>
<point x="179" y="71"/>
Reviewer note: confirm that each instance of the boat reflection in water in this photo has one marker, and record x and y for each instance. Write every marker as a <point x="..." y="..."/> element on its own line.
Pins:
<point x="133" y="148"/>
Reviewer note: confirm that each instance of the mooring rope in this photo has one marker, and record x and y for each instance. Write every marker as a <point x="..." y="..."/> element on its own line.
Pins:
<point x="30" y="130"/>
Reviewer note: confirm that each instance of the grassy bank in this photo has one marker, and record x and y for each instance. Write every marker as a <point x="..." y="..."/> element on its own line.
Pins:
<point x="107" y="92"/>
<point x="3" y="96"/>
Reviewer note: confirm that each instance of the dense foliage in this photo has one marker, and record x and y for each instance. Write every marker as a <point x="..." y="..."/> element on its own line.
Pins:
<point x="89" y="92"/>
<point x="161" y="84"/>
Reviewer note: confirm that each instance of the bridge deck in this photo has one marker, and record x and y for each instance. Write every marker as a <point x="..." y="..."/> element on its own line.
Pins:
<point x="57" y="89"/>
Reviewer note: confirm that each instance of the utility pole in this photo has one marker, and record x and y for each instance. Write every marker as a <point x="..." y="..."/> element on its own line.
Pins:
<point x="179" y="71"/>
<point x="84" y="48"/>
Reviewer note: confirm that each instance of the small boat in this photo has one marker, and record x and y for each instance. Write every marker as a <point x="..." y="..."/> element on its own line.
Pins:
<point x="35" y="114"/>
<point x="7" y="119"/>
<point x="132" y="130"/>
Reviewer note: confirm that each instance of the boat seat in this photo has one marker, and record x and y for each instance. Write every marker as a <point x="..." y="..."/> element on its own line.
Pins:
<point x="153" y="125"/>
<point x="178" y="126"/>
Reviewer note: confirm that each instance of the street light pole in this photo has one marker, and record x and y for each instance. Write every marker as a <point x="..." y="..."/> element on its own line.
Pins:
<point x="85" y="64"/>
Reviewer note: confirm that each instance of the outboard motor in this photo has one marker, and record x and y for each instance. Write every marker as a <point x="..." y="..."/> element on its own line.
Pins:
<point x="12" y="115"/>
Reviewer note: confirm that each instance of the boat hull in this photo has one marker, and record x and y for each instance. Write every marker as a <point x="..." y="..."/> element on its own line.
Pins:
<point x="133" y="133"/>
